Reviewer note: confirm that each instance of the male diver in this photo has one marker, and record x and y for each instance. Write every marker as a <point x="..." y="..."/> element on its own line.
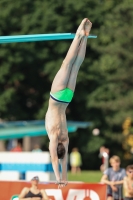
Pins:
<point x="61" y="94"/>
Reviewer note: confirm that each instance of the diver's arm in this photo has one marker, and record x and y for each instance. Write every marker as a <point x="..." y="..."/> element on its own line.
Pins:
<point x="64" y="161"/>
<point x="54" y="158"/>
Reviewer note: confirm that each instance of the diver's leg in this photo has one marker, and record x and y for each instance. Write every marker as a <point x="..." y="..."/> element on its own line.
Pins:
<point x="62" y="77"/>
<point x="80" y="57"/>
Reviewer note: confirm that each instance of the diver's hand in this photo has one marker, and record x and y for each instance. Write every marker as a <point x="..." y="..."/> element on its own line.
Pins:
<point x="61" y="183"/>
<point x="64" y="182"/>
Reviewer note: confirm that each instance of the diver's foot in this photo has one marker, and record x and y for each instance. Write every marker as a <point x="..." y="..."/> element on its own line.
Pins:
<point x="87" y="27"/>
<point x="81" y="29"/>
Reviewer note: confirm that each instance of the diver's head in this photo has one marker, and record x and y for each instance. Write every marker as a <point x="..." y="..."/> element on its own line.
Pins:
<point x="61" y="151"/>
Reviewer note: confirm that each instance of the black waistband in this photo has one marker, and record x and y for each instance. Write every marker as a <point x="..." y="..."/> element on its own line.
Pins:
<point x="58" y="100"/>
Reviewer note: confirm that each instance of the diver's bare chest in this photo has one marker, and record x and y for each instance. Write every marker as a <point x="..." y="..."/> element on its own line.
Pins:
<point x="61" y="132"/>
<point x="56" y="124"/>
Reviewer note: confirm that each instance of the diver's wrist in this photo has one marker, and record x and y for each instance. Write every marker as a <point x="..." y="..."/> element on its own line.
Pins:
<point x="58" y="181"/>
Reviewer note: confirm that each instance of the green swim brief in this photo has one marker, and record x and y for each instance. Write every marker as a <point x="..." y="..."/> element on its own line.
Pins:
<point x="64" y="96"/>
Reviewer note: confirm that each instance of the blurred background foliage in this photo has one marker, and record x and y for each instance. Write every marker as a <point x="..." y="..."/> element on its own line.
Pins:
<point x="104" y="91"/>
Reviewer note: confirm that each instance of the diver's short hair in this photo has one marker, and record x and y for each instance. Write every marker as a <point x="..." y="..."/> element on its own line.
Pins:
<point x="61" y="151"/>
